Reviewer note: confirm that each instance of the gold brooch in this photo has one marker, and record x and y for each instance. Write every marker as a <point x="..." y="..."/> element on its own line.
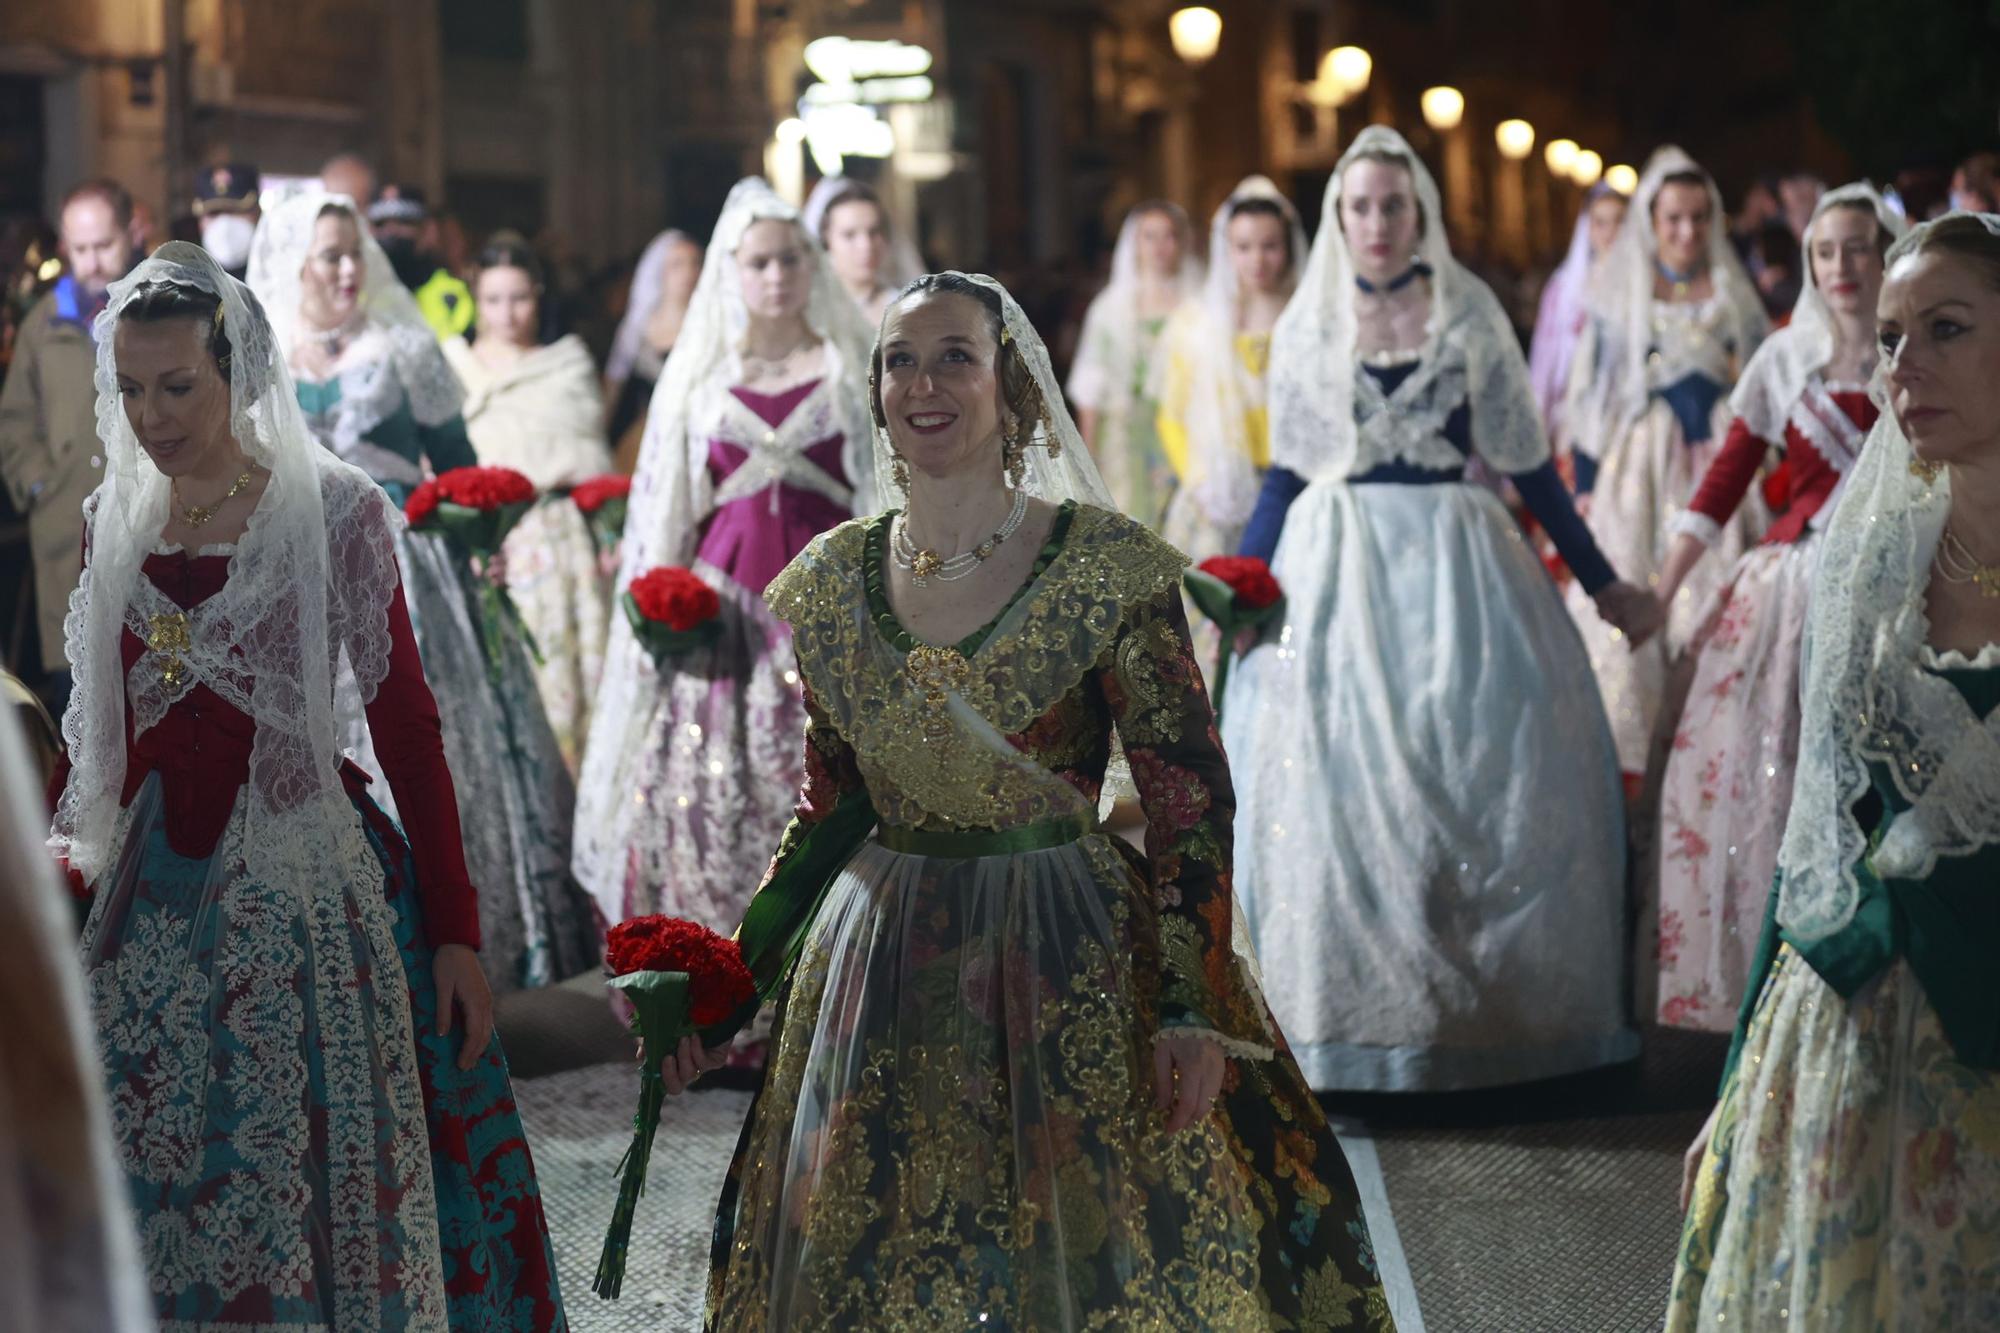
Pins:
<point x="934" y="671"/>
<point x="167" y="635"/>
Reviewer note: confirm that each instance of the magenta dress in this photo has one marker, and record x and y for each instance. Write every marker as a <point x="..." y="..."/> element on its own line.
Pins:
<point x="720" y="765"/>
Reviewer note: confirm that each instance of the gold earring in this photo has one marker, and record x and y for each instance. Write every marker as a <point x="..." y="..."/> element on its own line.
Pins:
<point x="899" y="472"/>
<point x="1015" y="460"/>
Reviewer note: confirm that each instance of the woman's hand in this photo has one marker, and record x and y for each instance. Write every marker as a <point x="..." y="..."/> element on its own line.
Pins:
<point x="459" y="977"/>
<point x="1692" y="1159"/>
<point x="492" y="568"/>
<point x="1187" y="1075"/>
<point x="1636" y="613"/>
<point x="689" y="1062"/>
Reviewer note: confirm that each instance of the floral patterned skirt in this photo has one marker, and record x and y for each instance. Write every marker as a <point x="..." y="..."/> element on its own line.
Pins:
<point x="1646" y="478"/>
<point x="302" y="1149"/>
<point x="1853" y="1180"/>
<point x="565" y="600"/>
<point x="957" y="1128"/>
<point x="515" y="796"/>
<point x="1727" y="786"/>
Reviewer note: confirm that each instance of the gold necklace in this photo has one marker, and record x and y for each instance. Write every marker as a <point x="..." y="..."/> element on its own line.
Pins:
<point x="1956" y="563"/>
<point x="197" y="516"/>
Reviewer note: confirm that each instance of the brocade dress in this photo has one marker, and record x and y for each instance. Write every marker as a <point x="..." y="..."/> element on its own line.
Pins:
<point x="497" y="739"/>
<point x="302" y="1149"/>
<point x="956" y="1128"/>
<point x="1852" y="1183"/>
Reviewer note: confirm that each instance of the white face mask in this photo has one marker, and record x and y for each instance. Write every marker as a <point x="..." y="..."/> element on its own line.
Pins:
<point x="227" y="236"/>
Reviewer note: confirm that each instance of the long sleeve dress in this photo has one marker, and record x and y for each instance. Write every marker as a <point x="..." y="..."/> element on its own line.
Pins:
<point x="956" y="1127"/>
<point x="1431" y="834"/>
<point x="1640" y="474"/>
<point x="377" y="414"/>
<point x="692" y="764"/>
<point x="1727" y="781"/>
<point x="301" y="1147"/>
<point x="1852" y="1182"/>
<point x="542" y="416"/>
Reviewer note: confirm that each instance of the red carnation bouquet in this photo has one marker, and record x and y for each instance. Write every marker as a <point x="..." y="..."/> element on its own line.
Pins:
<point x="681" y="978"/>
<point x="475" y="508"/>
<point x="1237" y="592"/>
<point x="602" y="501"/>
<point x="671" y="611"/>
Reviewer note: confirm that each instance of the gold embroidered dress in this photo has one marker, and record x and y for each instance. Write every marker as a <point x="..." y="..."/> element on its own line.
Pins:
<point x="957" y="1127"/>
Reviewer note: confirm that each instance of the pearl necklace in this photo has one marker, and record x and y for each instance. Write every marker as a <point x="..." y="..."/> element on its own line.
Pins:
<point x="1955" y="563"/>
<point x="926" y="564"/>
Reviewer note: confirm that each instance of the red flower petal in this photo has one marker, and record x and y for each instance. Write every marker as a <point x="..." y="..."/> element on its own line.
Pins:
<point x="674" y="597"/>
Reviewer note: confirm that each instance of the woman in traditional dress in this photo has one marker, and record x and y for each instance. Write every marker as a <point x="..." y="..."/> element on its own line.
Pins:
<point x="1214" y="354"/>
<point x="1153" y="271"/>
<point x="1727" y="783"/>
<point x="1673" y="318"/>
<point x="1431" y="843"/>
<point x="313" y="1114"/>
<point x="757" y="442"/>
<point x="1562" y="317"/>
<point x="1848" y="1177"/>
<point x="377" y="392"/>
<point x="655" y="308"/>
<point x="869" y="256"/>
<point x="1023" y="1076"/>
<point x="534" y="407"/>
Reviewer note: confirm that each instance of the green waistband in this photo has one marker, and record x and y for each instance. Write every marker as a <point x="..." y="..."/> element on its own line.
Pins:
<point x="964" y="844"/>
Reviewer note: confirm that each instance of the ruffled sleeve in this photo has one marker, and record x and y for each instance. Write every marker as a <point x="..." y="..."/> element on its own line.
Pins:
<point x="1168" y="730"/>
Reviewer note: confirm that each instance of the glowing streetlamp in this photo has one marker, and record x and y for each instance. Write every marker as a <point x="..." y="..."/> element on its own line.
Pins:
<point x="1587" y="168"/>
<point x="1515" y="138"/>
<point x="1561" y="156"/>
<point x="1443" y="108"/>
<point x="1346" y="68"/>
<point x="1621" y="178"/>
<point x="1195" y="31"/>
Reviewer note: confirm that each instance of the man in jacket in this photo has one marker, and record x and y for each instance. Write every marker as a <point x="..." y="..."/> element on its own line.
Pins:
<point x="50" y="458"/>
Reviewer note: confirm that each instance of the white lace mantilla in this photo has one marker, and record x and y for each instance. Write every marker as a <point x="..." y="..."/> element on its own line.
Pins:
<point x="1407" y="424"/>
<point x="384" y="367"/>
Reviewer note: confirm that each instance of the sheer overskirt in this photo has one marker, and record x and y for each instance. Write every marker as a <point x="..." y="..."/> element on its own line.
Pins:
<point x="1429" y="829"/>
<point x="958" y="1126"/>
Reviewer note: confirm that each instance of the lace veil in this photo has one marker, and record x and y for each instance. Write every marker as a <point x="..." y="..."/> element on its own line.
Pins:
<point x="395" y="333"/>
<point x="1776" y="376"/>
<point x="1059" y="467"/>
<point x="1219" y="472"/>
<point x="671" y="493"/>
<point x="643" y="300"/>
<point x="308" y="594"/>
<point x="1313" y="350"/>
<point x="1559" y="320"/>
<point x="1107" y="354"/>
<point x="1866" y="696"/>
<point x="901" y="266"/>
<point x="1621" y="302"/>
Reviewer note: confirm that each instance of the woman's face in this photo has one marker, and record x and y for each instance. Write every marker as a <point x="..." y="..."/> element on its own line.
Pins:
<point x="1938" y="319"/>
<point x="173" y="392"/>
<point x="1845" y="259"/>
<point x="773" y="263"/>
<point x="680" y="273"/>
<point x="1606" y="212"/>
<point x="333" y="272"/>
<point x="1257" y="252"/>
<point x="857" y="241"/>
<point x="1681" y="219"/>
<point x="1379" y="217"/>
<point x="940" y="383"/>
<point x="507" y="301"/>
<point x="1158" y="242"/>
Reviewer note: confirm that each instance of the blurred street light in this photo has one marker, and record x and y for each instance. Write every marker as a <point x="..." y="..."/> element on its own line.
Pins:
<point x="1587" y="168"/>
<point x="1347" y="69"/>
<point x="1195" y="31"/>
<point x="1561" y="156"/>
<point x="1621" y="178"/>
<point x="1515" y="138"/>
<point x="1443" y="108"/>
